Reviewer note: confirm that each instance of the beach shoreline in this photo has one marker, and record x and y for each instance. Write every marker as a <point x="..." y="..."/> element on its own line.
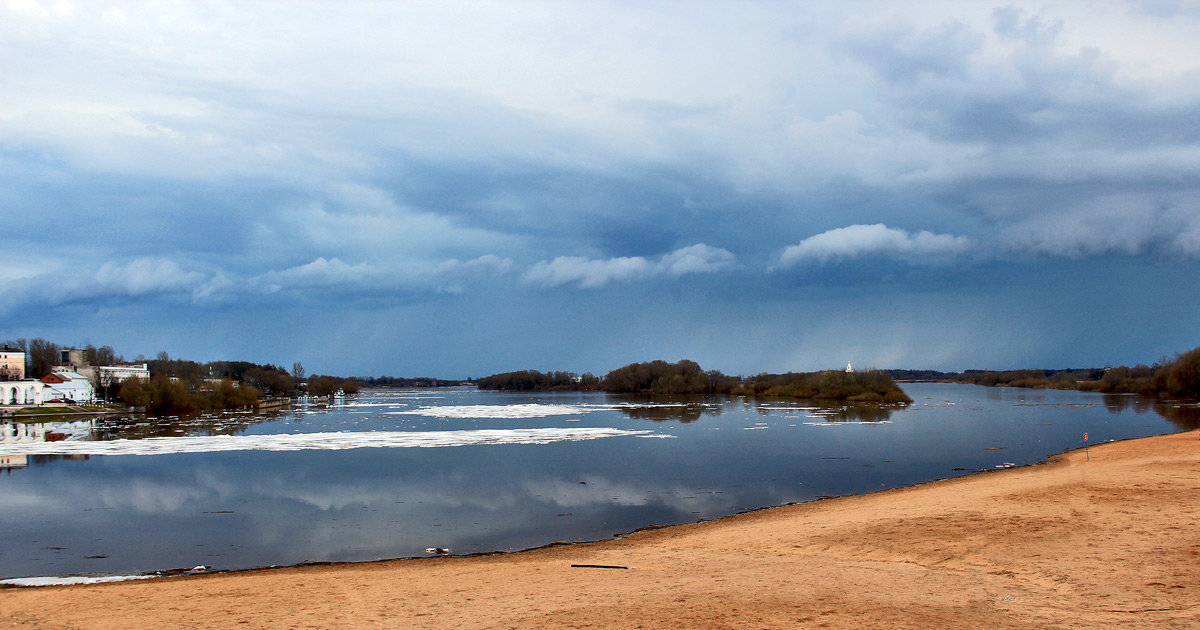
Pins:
<point x="1066" y="543"/>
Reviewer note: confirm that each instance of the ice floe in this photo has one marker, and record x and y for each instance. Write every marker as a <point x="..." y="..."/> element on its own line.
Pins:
<point x="844" y="423"/>
<point x="528" y="410"/>
<point x="318" y="441"/>
<point x="525" y="410"/>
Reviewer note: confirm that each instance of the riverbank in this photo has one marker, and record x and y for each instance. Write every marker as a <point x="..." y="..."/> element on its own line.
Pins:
<point x="1114" y="540"/>
<point x="21" y="413"/>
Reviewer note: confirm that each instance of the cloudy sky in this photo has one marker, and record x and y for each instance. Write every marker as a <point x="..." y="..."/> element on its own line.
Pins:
<point x="457" y="188"/>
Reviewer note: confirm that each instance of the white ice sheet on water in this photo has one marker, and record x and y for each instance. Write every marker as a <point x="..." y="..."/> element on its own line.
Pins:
<point x="317" y="441"/>
<point x="525" y="410"/>
<point x="529" y="410"/>
<point x="68" y="580"/>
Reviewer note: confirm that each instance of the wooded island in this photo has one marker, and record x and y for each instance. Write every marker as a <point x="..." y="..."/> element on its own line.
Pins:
<point x="686" y="377"/>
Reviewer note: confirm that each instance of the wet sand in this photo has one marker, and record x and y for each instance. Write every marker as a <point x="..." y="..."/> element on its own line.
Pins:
<point x="1114" y="541"/>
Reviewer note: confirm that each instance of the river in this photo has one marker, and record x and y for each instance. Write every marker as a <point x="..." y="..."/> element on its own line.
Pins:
<point x="391" y="472"/>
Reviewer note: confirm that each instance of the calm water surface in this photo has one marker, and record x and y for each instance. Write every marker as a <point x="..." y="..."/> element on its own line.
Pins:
<point x="389" y="473"/>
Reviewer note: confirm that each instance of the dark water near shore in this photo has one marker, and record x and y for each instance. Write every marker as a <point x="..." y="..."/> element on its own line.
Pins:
<point x="89" y="513"/>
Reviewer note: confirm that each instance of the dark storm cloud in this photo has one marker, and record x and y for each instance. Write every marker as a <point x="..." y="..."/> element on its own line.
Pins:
<point x="1060" y="154"/>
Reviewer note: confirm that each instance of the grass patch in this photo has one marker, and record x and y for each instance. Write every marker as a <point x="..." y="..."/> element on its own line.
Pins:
<point x="43" y="411"/>
<point x="42" y="418"/>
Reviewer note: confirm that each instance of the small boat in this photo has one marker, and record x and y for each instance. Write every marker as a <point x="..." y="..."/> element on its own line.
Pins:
<point x="339" y="394"/>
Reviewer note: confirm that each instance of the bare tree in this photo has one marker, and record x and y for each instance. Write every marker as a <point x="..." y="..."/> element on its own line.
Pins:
<point x="42" y="357"/>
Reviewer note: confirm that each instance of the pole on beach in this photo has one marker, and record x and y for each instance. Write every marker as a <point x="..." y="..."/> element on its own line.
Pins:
<point x="1085" y="448"/>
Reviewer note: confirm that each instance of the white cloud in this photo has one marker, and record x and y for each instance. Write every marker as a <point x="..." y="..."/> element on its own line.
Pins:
<point x="1185" y="243"/>
<point x="440" y="277"/>
<point x="486" y="264"/>
<point x="215" y="290"/>
<point x="857" y="241"/>
<point x="591" y="273"/>
<point x="364" y="221"/>
<point x="698" y="258"/>
<point x="134" y="280"/>
<point x="143" y="276"/>
<point x="588" y="273"/>
<point x="1126" y="225"/>
<point x="320" y="272"/>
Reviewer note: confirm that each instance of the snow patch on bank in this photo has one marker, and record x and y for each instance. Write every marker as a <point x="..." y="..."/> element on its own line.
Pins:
<point x="72" y="579"/>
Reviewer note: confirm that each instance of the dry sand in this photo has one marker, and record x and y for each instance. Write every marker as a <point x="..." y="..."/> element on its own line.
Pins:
<point x="1114" y="541"/>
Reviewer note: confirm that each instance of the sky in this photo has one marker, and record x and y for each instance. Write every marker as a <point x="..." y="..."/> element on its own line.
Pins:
<point x="455" y="189"/>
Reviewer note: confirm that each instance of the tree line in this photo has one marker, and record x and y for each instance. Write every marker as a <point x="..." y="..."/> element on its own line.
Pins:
<point x="533" y="380"/>
<point x="160" y="395"/>
<point x="1169" y="378"/>
<point x="41" y="355"/>
<point x="272" y="380"/>
<point x="185" y="386"/>
<point x="396" y="381"/>
<point x="165" y="394"/>
<point x="686" y="377"/>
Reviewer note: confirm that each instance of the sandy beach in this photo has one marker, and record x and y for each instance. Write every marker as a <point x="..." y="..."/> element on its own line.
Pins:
<point x="1071" y="543"/>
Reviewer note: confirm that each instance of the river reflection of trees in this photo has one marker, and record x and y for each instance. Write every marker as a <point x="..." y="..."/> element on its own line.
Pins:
<point x="1185" y="415"/>
<point x="855" y="413"/>
<point x="139" y="427"/>
<point x="132" y="427"/>
<point x="666" y="413"/>
<point x="116" y="428"/>
<point x="829" y="411"/>
<point x="669" y="408"/>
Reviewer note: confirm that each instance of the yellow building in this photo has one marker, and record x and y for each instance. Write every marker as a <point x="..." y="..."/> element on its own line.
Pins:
<point x="12" y="364"/>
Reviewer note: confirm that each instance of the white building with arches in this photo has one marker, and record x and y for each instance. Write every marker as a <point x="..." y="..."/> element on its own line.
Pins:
<point x="26" y="392"/>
